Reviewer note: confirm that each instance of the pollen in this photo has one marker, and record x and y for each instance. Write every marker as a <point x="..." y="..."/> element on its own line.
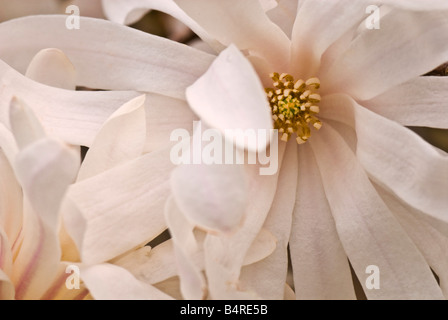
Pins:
<point x="294" y="106"/>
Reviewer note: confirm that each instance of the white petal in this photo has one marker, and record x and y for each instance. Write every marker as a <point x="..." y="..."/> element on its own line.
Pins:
<point x="73" y="116"/>
<point x="120" y="209"/>
<point x="52" y="68"/>
<point x="229" y="96"/>
<point x="320" y="265"/>
<point x="432" y="244"/>
<point x="377" y="60"/>
<point x="109" y="282"/>
<point x="120" y="139"/>
<point x="397" y="158"/>
<point x="268" y="276"/>
<point x="367" y="229"/>
<point x="311" y="37"/>
<point x="418" y="102"/>
<point x="213" y="197"/>
<point x="107" y="55"/>
<point x="243" y="23"/>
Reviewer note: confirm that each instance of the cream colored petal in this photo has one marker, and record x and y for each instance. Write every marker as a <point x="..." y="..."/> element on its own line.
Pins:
<point x="368" y="231"/>
<point x="109" y="282"/>
<point x="107" y="55"/>
<point x="52" y="68"/>
<point x="6" y="287"/>
<point x="268" y="276"/>
<point x="243" y="23"/>
<point x="229" y="96"/>
<point x="73" y="116"/>
<point x="418" y="102"/>
<point x="320" y="265"/>
<point x="121" y="139"/>
<point x="119" y="209"/>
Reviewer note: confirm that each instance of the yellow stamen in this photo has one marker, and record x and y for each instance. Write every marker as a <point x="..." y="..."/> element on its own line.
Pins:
<point x="293" y="106"/>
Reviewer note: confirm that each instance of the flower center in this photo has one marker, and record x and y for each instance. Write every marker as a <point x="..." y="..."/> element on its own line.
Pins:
<point x="293" y="106"/>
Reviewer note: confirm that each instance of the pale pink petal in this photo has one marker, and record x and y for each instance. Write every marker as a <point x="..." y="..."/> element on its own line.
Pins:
<point x="73" y="116"/>
<point x="213" y="197"/>
<point x="320" y="265"/>
<point x="284" y="15"/>
<point x="109" y="282"/>
<point x="268" y="276"/>
<point x="418" y="102"/>
<point x="141" y="61"/>
<point x="119" y="209"/>
<point x="121" y="139"/>
<point x="377" y="60"/>
<point x="229" y="96"/>
<point x="243" y="23"/>
<point x="52" y="68"/>
<point x="369" y="232"/>
<point x="311" y="37"/>
<point x="418" y="5"/>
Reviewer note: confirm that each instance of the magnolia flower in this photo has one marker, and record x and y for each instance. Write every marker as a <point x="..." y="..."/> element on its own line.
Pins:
<point x="351" y="190"/>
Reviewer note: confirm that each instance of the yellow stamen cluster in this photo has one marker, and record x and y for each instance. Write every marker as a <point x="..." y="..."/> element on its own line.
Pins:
<point x="294" y="106"/>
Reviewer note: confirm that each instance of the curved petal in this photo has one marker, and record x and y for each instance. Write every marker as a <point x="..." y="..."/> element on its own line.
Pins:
<point x="119" y="209"/>
<point x="420" y="102"/>
<point x="310" y="37"/>
<point x="229" y="96"/>
<point x="377" y="60"/>
<point x="319" y="262"/>
<point x="129" y="11"/>
<point x="6" y="287"/>
<point x="107" y="55"/>
<point x="268" y="276"/>
<point x="109" y="282"/>
<point x="52" y="68"/>
<point x="396" y="157"/>
<point x="73" y="116"/>
<point x="44" y="169"/>
<point x="243" y="23"/>
<point x="367" y="229"/>
<point x="121" y="139"/>
<point x="212" y="197"/>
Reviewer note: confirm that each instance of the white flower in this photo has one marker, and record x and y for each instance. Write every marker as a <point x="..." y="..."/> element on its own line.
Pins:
<point x="363" y="186"/>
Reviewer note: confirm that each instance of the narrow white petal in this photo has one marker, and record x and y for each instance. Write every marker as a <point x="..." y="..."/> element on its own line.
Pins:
<point x="370" y="234"/>
<point x="418" y="102"/>
<point x="320" y="265"/>
<point x="377" y="60"/>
